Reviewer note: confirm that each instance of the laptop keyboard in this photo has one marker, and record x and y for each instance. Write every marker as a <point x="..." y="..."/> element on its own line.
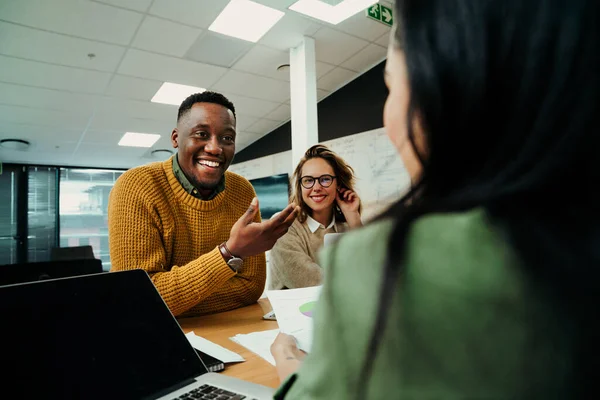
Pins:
<point x="208" y="392"/>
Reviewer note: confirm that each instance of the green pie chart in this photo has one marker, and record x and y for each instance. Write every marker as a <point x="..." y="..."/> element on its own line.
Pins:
<point x="307" y="308"/>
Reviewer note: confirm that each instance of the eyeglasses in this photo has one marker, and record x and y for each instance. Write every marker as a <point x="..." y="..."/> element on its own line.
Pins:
<point x="308" y="182"/>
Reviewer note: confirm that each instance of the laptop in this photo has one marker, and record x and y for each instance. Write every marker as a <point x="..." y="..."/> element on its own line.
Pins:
<point x="103" y="336"/>
<point x="37" y="271"/>
<point x="331" y="238"/>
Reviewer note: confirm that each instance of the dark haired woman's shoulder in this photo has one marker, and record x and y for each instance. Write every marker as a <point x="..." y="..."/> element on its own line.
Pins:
<point x="452" y="225"/>
<point x="454" y="230"/>
<point x="464" y="251"/>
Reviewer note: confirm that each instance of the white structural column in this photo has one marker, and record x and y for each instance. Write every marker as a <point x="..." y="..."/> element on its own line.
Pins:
<point x="303" y="90"/>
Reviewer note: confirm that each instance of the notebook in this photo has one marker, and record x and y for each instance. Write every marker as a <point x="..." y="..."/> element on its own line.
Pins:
<point x="212" y="364"/>
<point x="103" y="336"/>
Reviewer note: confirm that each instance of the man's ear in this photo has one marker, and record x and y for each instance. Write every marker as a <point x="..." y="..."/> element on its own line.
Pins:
<point x="174" y="138"/>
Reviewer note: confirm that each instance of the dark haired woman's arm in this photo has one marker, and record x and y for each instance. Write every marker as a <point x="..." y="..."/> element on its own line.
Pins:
<point x="288" y="358"/>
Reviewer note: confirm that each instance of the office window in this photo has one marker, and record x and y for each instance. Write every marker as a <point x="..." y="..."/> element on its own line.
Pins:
<point x="8" y="216"/>
<point x="41" y="213"/>
<point x="84" y="209"/>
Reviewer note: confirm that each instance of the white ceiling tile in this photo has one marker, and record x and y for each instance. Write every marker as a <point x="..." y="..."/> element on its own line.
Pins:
<point x="93" y="152"/>
<point x="289" y="31"/>
<point x="55" y="48"/>
<point x="94" y="136"/>
<point x="363" y="27"/>
<point x="200" y="13"/>
<point x="282" y="113"/>
<point x="112" y="137"/>
<point x="365" y="59"/>
<point x="277" y="4"/>
<point x="136" y="109"/>
<point x="33" y="73"/>
<point x="244" y="121"/>
<point x="216" y="49"/>
<point x="49" y="99"/>
<point x="321" y="94"/>
<point x="81" y="18"/>
<point x="384" y="40"/>
<point x="124" y="123"/>
<point x="51" y="118"/>
<point x="162" y="36"/>
<point x="263" y="126"/>
<point x="262" y="60"/>
<point x="251" y="106"/>
<point x="336" y="79"/>
<point x="41" y="153"/>
<point x="169" y="69"/>
<point x="323" y="68"/>
<point x="35" y="133"/>
<point x="253" y="86"/>
<point x="137" y="5"/>
<point x="54" y="147"/>
<point x="336" y="47"/>
<point x="132" y="88"/>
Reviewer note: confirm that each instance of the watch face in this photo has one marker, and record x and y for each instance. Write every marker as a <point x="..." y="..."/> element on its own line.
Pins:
<point x="235" y="263"/>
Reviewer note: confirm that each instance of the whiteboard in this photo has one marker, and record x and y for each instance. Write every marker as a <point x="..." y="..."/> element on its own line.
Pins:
<point x="381" y="177"/>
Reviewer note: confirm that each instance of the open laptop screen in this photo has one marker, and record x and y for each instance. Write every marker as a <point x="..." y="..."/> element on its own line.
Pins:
<point x="107" y="335"/>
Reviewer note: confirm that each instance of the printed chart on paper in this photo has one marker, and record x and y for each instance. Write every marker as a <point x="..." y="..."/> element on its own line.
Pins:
<point x="294" y="309"/>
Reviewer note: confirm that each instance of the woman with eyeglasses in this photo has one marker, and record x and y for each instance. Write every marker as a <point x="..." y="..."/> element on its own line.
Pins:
<point x="324" y="190"/>
<point x="484" y="281"/>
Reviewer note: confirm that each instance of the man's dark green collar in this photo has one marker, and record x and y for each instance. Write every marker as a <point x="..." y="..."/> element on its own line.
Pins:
<point x="189" y="187"/>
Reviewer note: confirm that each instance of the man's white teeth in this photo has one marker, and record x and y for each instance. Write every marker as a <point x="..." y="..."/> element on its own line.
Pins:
<point x="213" y="164"/>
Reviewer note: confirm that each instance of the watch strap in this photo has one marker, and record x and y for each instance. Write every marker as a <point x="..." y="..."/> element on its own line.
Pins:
<point x="232" y="261"/>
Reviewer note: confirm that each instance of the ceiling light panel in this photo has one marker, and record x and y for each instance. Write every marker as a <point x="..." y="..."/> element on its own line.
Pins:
<point x="174" y="94"/>
<point x="334" y="14"/>
<point x="134" y="139"/>
<point x="246" y="20"/>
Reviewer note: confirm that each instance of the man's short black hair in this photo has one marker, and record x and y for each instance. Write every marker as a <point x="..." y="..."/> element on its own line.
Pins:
<point x="204" y="97"/>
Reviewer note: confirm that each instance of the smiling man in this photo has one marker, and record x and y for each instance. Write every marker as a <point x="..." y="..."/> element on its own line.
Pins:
<point x="191" y="224"/>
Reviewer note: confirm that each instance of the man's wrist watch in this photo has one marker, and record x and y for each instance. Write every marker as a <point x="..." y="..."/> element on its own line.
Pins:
<point x="235" y="263"/>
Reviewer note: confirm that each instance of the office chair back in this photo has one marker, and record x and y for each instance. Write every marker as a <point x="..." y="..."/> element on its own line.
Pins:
<point x="71" y="253"/>
<point x="37" y="271"/>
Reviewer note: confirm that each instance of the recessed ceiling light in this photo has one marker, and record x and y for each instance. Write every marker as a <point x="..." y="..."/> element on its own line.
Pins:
<point x="246" y="20"/>
<point x="15" y="144"/>
<point x="174" y="94"/>
<point x="328" y="13"/>
<point x="134" y="139"/>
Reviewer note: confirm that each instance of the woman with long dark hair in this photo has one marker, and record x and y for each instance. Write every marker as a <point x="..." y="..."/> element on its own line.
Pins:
<point x="483" y="281"/>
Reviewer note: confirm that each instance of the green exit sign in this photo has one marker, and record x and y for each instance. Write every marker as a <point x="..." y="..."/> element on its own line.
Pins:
<point x="381" y="13"/>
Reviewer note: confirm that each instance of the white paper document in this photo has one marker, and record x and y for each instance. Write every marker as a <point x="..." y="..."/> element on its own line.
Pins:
<point x="294" y="311"/>
<point x="258" y="343"/>
<point x="213" y="349"/>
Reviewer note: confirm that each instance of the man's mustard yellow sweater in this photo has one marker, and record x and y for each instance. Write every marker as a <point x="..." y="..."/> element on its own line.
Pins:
<point x="154" y="225"/>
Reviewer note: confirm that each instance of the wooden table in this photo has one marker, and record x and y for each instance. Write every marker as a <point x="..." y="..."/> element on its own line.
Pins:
<point x="218" y="328"/>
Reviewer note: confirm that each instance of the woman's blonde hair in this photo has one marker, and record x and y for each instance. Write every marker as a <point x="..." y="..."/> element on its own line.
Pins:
<point x="344" y="174"/>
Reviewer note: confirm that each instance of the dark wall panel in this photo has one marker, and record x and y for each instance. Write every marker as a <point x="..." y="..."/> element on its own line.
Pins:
<point x="357" y="107"/>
